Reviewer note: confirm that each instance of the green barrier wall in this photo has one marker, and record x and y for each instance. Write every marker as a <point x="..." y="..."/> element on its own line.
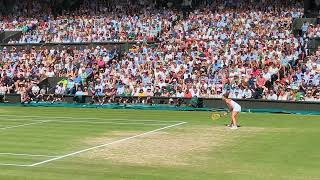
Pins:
<point x="162" y="103"/>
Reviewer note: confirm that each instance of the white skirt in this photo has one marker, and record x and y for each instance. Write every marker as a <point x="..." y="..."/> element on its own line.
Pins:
<point x="237" y="109"/>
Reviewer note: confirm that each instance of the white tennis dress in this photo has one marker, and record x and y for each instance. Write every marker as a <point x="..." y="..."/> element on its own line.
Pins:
<point x="235" y="106"/>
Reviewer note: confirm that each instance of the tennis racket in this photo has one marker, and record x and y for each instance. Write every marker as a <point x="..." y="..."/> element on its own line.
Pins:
<point x="216" y="116"/>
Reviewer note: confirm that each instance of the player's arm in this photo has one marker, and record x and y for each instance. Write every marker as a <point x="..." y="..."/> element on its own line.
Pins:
<point x="228" y="102"/>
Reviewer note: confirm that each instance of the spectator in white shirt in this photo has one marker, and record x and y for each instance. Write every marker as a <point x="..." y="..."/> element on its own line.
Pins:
<point x="3" y="91"/>
<point x="247" y="93"/>
<point x="180" y="93"/>
<point x="266" y="74"/>
<point x="309" y="96"/>
<point x="272" y="96"/>
<point x="317" y="97"/>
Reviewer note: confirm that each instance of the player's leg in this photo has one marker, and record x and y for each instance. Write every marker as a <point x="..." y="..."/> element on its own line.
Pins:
<point x="231" y="122"/>
<point x="234" y="119"/>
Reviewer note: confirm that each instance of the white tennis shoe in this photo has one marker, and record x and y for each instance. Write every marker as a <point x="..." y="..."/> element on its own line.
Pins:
<point x="234" y="127"/>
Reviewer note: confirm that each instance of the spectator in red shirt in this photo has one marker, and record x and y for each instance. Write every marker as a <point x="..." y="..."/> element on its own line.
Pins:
<point x="261" y="81"/>
<point x="187" y="94"/>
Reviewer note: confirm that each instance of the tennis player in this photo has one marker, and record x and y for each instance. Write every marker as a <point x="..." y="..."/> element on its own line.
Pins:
<point x="235" y="108"/>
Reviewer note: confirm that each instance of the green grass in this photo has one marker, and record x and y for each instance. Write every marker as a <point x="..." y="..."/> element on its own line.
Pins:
<point x="267" y="146"/>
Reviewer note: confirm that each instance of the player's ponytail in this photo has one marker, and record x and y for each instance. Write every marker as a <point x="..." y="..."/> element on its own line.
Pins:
<point x="226" y="95"/>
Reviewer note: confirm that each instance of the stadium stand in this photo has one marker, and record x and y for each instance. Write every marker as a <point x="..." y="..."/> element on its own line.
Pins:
<point x="244" y="47"/>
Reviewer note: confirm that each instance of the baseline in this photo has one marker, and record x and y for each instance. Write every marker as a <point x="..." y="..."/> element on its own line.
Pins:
<point x="30" y="155"/>
<point x="16" y="165"/>
<point x="22" y="125"/>
<point x="92" y="118"/>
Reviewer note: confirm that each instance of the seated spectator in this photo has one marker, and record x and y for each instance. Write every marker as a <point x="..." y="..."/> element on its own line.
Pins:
<point x="3" y="92"/>
<point x="272" y="96"/>
<point x="58" y="95"/>
<point x="79" y="96"/>
<point x="309" y="96"/>
<point x="34" y="93"/>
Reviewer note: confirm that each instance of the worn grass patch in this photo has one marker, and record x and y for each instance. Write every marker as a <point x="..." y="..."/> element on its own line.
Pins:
<point x="182" y="146"/>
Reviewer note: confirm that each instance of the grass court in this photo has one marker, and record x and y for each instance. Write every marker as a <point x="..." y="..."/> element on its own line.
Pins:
<point x="78" y="143"/>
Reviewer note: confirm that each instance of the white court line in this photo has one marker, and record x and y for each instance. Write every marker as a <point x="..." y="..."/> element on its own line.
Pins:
<point x="30" y="155"/>
<point x="107" y="144"/>
<point x="99" y="118"/>
<point x="17" y="165"/>
<point x="93" y="122"/>
<point x="22" y="125"/>
<point x="122" y="123"/>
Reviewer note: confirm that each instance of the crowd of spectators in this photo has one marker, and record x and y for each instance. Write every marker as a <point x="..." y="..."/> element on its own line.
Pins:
<point x="242" y="47"/>
<point x="25" y="16"/>
<point x="107" y="23"/>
